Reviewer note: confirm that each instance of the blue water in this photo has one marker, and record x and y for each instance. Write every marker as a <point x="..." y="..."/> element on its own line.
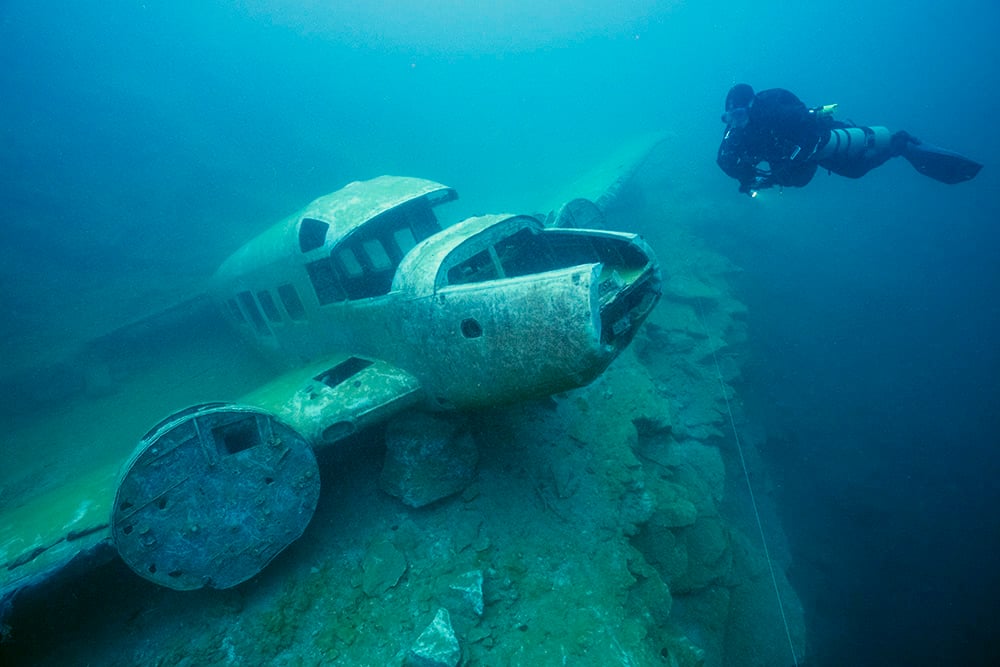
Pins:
<point x="143" y="141"/>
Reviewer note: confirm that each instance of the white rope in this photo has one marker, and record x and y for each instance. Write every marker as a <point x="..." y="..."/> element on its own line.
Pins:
<point x="746" y="474"/>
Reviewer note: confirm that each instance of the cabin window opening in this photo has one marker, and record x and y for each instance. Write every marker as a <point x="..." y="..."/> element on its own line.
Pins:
<point x="343" y="371"/>
<point x="478" y="268"/>
<point x="312" y="234"/>
<point x="324" y="280"/>
<point x="377" y="257"/>
<point x="253" y="313"/>
<point x="293" y="304"/>
<point x="270" y="308"/>
<point x="234" y="310"/>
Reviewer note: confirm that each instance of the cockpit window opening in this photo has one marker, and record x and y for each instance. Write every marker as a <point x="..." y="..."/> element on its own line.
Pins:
<point x="365" y="269"/>
<point x="235" y="311"/>
<point x="441" y="197"/>
<point x="525" y="252"/>
<point x="268" y="305"/>
<point x="349" y="262"/>
<point x="376" y="255"/>
<point x="312" y="234"/>
<point x="528" y="251"/>
<point x="625" y="255"/>
<point x="404" y="239"/>
<point x="325" y="282"/>
<point x="419" y="216"/>
<point x="252" y="312"/>
<point x="575" y="249"/>
<point x="293" y="304"/>
<point x="477" y="269"/>
<point x="366" y="261"/>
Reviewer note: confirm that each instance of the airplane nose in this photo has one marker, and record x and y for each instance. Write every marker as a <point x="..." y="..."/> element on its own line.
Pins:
<point x="626" y="301"/>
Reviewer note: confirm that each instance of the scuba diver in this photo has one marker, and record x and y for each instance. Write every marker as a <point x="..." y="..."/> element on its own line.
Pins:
<point x="776" y="128"/>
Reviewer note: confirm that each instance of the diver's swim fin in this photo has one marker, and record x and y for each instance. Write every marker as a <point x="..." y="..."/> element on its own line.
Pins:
<point x="940" y="164"/>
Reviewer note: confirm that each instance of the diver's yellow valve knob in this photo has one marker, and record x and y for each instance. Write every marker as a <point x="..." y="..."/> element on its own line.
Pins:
<point x="825" y="110"/>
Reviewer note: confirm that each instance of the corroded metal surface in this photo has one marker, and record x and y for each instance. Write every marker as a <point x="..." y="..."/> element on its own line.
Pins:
<point x="211" y="495"/>
<point x="331" y="400"/>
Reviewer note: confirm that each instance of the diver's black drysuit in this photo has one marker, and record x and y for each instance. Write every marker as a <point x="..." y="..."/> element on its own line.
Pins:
<point x="776" y="128"/>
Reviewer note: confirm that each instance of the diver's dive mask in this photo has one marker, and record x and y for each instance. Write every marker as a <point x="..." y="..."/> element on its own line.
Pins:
<point x="736" y="117"/>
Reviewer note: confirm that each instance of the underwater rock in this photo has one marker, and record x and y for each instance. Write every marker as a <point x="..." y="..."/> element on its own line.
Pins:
<point x="685" y="287"/>
<point x="469" y="590"/>
<point x="674" y="508"/>
<point x="682" y="652"/>
<point x="678" y="513"/>
<point x="465" y="603"/>
<point x="699" y="469"/>
<point x="753" y="622"/>
<point x="709" y="557"/>
<point x="427" y="458"/>
<point x="566" y="476"/>
<point x="661" y="548"/>
<point x="650" y="594"/>
<point x="635" y="508"/>
<point x="383" y="567"/>
<point x="436" y="646"/>
<point x="675" y="317"/>
<point x="619" y="406"/>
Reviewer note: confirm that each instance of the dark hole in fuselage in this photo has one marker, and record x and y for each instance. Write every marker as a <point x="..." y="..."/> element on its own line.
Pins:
<point x="237" y="436"/>
<point x="342" y="371"/>
<point x="471" y="328"/>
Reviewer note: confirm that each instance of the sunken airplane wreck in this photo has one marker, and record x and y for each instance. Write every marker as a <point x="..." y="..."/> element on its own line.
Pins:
<point x="492" y="309"/>
<point x="379" y="310"/>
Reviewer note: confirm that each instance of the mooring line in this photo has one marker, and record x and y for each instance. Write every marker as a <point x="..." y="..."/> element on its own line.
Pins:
<point x="746" y="475"/>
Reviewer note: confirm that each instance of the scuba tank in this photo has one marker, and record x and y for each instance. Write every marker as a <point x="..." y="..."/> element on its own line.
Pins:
<point x="851" y="143"/>
<point x="855" y="143"/>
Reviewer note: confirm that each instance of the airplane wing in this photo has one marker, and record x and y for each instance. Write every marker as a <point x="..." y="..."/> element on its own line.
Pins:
<point x="61" y="530"/>
<point x="79" y="525"/>
<point x="338" y="397"/>
<point x="604" y="183"/>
